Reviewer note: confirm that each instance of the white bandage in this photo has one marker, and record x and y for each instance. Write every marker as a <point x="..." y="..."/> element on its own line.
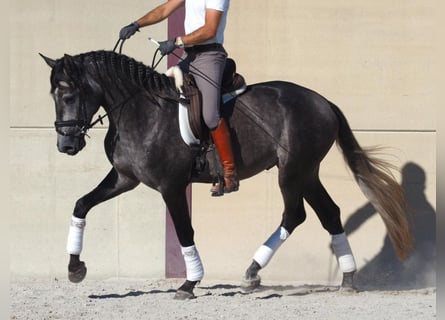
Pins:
<point x="193" y="264"/>
<point x="75" y="236"/>
<point x="343" y="252"/>
<point x="265" y="253"/>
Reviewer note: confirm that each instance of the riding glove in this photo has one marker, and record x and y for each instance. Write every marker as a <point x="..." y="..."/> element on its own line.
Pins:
<point x="127" y="31"/>
<point x="167" y="46"/>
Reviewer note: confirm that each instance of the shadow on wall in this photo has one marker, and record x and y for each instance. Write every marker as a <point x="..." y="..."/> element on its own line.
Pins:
<point x="385" y="271"/>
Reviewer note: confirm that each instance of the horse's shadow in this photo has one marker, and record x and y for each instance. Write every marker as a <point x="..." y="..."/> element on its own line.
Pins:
<point x="268" y="291"/>
<point x="229" y="290"/>
<point x="133" y="293"/>
<point x="384" y="271"/>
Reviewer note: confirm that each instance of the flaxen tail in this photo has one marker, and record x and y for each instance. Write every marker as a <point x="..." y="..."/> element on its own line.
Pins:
<point x="379" y="186"/>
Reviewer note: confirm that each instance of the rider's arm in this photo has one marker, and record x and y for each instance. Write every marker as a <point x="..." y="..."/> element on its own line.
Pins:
<point x="207" y="31"/>
<point x="160" y="13"/>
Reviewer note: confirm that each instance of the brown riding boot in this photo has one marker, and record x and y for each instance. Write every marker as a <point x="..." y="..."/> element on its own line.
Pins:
<point x="221" y="138"/>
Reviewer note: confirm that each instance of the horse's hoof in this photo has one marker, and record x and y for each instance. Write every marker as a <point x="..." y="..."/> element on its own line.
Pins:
<point x="347" y="285"/>
<point x="184" y="295"/>
<point x="248" y="285"/>
<point x="79" y="274"/>
<point x="347" y="290"/>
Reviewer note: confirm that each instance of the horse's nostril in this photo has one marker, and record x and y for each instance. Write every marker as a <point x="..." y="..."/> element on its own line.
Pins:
<point x="67" y="149"/>
<point x="69" y="145"/>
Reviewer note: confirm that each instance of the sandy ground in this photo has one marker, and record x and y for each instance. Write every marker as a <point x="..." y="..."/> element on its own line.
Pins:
<point x="153" y="299"/>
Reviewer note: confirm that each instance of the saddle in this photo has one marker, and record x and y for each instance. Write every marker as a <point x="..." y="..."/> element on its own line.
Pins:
<point x="193" y="130"/>
<point x="233" y="84"/>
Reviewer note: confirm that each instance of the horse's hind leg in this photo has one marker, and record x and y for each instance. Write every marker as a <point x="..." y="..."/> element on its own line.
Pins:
<point x="329" y="215"/>
<point x="293" y="215"/>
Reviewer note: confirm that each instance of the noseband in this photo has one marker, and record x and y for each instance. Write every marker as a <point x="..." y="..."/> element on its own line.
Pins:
<point x="79" y="128"/>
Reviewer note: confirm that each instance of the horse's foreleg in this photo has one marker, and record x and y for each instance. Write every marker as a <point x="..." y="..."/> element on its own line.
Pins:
<point x="177" y="205"/>
<point x="113" y="185"/>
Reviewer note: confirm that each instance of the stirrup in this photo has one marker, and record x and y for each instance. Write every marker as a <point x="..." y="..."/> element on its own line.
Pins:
<point x="216" y="189"/>
<point x="219" y="188"/>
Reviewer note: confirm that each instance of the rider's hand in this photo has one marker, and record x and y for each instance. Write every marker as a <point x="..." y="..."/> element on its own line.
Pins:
<point x="167" y="46"/>
<point x="127" y="31"/>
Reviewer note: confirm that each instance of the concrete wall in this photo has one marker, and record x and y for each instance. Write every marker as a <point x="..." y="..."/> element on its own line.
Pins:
<point x="124" y="237"/>
<point x="375" y="60"/>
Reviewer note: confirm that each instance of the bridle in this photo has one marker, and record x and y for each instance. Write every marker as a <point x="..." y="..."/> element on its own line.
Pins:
<point x="80" y="127"/>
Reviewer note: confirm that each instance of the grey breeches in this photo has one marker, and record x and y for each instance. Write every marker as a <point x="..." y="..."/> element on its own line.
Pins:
<point x="207" y="69"/>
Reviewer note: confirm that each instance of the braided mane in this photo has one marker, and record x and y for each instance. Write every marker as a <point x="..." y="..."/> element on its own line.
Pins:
<point x="126" y="70"/>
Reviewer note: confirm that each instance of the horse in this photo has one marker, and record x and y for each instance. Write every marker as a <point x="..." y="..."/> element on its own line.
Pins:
<point x="274" y="123"/>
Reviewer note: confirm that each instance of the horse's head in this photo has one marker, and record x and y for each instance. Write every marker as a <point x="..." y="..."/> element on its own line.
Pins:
<point x="76" y="97"/>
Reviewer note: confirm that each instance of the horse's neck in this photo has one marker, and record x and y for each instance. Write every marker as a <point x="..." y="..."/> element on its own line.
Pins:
<point x="134" y="105"/>
<point x="124" y="74"/>
<point x="129" y="84"/>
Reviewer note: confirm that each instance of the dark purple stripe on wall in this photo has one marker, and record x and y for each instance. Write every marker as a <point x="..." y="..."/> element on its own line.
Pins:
<point x="174" y="262"/>
<point x="175" y="29"/>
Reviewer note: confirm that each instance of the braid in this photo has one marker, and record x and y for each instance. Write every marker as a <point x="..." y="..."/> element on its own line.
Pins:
<point x="127" y="71"/>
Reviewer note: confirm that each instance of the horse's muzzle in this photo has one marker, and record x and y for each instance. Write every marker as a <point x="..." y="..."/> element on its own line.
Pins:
<point x="70" y="145"/>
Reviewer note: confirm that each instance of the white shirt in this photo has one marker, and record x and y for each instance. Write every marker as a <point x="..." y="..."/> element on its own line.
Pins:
<point x="195" y="11"/>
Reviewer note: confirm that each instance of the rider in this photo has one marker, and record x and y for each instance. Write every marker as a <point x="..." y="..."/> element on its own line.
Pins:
<point x="204" y="25"/>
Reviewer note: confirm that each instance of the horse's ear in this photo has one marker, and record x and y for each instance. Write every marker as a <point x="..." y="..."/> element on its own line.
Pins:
<point x="70" y="65"/>
<point x="48" y="61"/>
<point x="68" y="57"/>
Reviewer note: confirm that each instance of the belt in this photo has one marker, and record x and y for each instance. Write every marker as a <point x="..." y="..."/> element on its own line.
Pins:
<point x="203" y="48"/>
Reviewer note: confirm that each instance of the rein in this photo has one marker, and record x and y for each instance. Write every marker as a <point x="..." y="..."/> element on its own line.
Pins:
<point x="100" y="118"/>
<point x="121" y="41"/>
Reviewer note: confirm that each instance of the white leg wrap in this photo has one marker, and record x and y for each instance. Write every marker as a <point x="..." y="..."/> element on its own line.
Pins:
<point x="193" y="264"/>
<point x="265" y="253"/>
<point x="75" y="236"/>
<point x="343" y="252"/>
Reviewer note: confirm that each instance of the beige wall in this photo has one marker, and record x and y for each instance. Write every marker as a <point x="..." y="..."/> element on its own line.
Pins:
<point x="124" y="237"/>
<point x="375" y="60"/>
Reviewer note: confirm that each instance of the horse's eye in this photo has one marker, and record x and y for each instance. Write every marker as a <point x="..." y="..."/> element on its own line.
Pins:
<point x="69" y="99"/>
